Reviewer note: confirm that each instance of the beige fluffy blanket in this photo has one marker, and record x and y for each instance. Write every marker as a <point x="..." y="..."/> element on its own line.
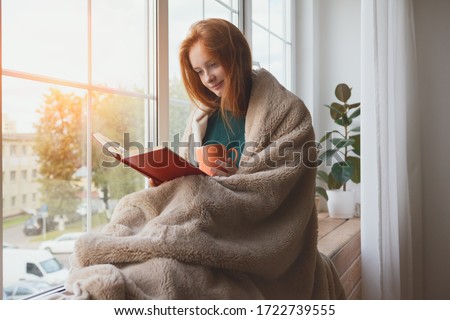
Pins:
<point x="249" y="236"/>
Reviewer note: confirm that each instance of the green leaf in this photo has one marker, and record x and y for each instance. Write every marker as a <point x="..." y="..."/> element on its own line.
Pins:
<point x="342" y="143"/>
<point x="322" y="175"/>
<point x="327" y="154"/>
<point x="328" y="134"/>
<point x="344" y="121"/>
<point x="355" y="129"/>
<point x="342" y="172"/>
<point x="355" y="105"/>
<point x="357" y="145"/>
<point x="356" y="163"/>
<point x="321" y="191"/>
<point x="342" y="92"/>
<point x="355" y="113"/>
<point x="336" y="110"/>
<point x="332" y="183"/>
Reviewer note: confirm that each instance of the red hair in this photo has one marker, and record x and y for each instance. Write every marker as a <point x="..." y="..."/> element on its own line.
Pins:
<point x="224" y="42"/>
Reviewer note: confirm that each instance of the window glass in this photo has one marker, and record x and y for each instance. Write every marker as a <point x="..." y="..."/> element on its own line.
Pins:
<point x="260" y="12"/>
<point x="214" y="9"/>
<point x="271" y="38"/>
<point x="21" y="291"/>
<point x="119" y="44"/>
<point x="120" y="119"/>
<point x="47" y="101"/>
<point x="28" y="24"/>
<point x="33" y="269"/>
<point x="181" y="15"/>
<point x="51" y="121"/>
<point x="51" y="265"/>
<point x="260" y="47"/>
<point x="48" y="104"/>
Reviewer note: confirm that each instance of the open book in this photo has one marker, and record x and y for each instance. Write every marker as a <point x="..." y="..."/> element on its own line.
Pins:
<point x="159" y="163"/>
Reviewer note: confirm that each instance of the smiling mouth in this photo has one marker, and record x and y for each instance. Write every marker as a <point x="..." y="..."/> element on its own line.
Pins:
<point x="217" y="85"/>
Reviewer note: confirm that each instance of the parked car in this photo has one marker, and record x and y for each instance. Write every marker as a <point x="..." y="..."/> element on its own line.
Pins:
<point x="9" y="245"/>
<point x="34" y="226"/>
<point x="62" y="244"/>
<point x="23" y="289"/>
<point x="32" y="264"/>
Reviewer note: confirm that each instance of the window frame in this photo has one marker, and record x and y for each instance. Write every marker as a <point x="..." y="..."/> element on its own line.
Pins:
<point x="157" y="113"/>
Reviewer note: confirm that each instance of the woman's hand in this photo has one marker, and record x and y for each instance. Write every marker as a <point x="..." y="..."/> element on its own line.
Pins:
<point x="226" y="168"/>
<point x="151" y="183"/>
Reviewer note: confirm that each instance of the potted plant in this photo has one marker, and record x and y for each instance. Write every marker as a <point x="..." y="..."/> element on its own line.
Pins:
<point x="341" y="152"/>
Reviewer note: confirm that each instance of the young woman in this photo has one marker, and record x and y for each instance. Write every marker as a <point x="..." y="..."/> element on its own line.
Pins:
<point x="248" y="233"/>
<point x="216" y="68"/>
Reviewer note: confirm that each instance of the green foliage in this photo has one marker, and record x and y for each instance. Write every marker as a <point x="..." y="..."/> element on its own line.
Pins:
<point x="61" y="142"/>
<point x="58" y="146"/>
<point x="61" y="146"/>
<point x="341" y="147"/>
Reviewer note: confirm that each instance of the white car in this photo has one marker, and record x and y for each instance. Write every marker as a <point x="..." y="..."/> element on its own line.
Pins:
<point x="23" y="289"/>
<point x="9" y="245"/>
<point x="62" y="244"/>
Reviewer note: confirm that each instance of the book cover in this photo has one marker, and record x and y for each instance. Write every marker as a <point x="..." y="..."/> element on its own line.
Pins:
<point x="160" y="163"/>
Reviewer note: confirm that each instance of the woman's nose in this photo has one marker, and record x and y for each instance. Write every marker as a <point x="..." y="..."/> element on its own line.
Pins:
<point x="209" y="77"/>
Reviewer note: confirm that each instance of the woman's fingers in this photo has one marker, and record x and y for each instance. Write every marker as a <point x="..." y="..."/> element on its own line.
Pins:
<point x="226" y="168"/>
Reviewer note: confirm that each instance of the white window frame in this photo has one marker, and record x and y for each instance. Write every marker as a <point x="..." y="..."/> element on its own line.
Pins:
<point x="157" y="113"/>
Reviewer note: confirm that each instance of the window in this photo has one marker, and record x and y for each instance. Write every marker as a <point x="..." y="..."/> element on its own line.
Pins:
<point x="181" y="15"/>
<point x="12" y="150"/>
<point x="271" y="38"/>
<point x="33" y="269"/>
<point x="51" y="265"/>
<point x="93" y="68"/>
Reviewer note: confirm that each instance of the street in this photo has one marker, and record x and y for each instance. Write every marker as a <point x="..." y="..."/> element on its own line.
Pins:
<point x="15" y="236"/>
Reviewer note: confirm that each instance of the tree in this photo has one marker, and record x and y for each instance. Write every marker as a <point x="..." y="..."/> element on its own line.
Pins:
<point x="180" y="106"/>
<point x="116" y="116"/>
<point x="58" y="146"/>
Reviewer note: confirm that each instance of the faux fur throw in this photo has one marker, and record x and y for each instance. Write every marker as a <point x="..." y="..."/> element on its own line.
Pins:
<point x="252" y="235"/>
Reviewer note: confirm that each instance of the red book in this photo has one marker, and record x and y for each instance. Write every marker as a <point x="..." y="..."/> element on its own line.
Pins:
<point x="160" y="163"/>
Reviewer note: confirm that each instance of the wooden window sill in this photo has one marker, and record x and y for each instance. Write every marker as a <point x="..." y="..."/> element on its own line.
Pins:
<point x="340" y="240"/>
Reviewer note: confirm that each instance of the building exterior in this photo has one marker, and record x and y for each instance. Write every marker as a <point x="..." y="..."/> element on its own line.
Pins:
<point x="20" y="173"/>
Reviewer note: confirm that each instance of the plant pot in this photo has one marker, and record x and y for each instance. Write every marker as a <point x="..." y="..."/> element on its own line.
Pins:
<point x="341" y="204"/>
<point x="317" y="199"/>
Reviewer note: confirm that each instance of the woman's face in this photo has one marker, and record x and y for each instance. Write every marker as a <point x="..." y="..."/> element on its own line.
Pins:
<point x="209" y="70"/>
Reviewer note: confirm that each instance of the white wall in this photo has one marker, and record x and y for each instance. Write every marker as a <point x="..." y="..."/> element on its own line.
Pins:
<point x="432" y="22"/>
<point x="331" y="54"/>
<point x="328" y="35"/>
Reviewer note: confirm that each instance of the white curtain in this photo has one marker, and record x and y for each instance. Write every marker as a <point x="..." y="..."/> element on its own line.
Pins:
<point x="390" y="189"/>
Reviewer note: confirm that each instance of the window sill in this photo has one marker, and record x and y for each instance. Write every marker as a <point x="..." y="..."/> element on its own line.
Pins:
<point x="340" y="240"/>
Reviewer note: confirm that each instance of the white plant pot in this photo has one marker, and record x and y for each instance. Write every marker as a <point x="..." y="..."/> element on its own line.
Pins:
<point x="341" y="204"/>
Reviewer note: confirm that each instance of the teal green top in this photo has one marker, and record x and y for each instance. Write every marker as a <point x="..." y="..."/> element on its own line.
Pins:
<point x="217" y="131"/>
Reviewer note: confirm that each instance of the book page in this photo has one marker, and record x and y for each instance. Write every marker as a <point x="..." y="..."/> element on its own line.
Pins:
<point x="110" y="146"/>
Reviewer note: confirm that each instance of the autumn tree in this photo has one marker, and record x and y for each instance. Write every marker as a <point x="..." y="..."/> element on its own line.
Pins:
<point x="117" y="117"/>
<point x="58" y="147"/>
